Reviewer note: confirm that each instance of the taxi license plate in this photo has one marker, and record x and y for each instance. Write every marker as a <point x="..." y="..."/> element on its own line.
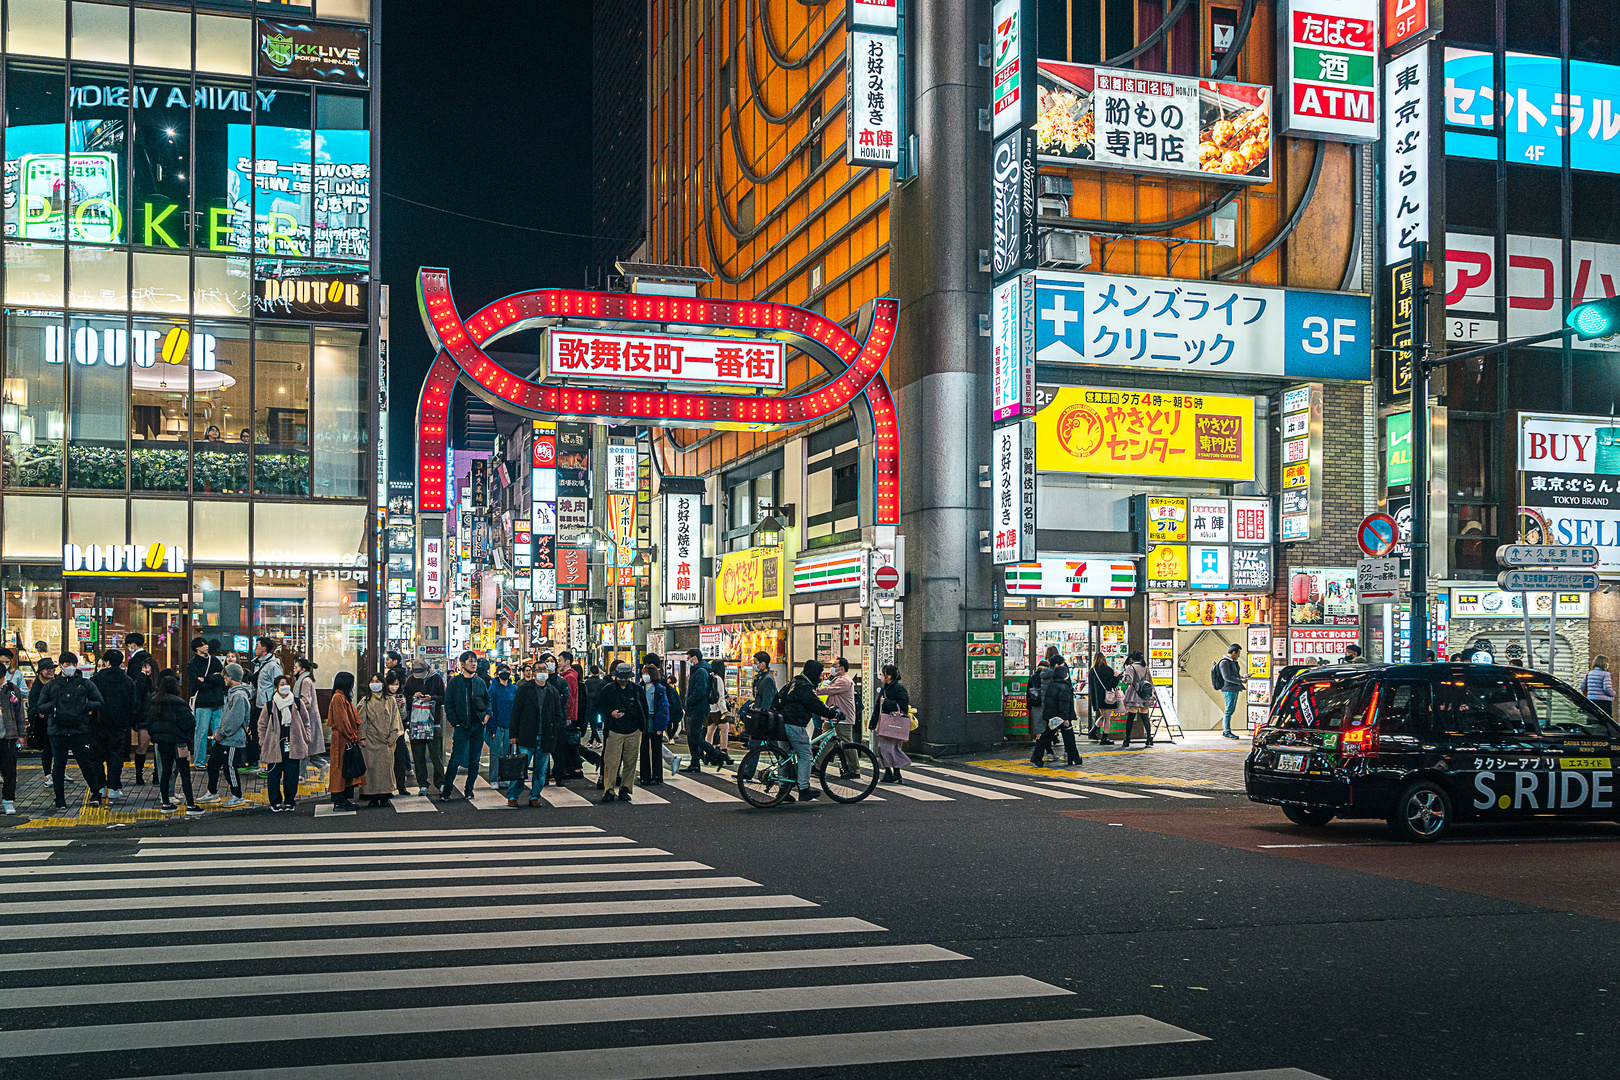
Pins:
<point x="1291" y="762"/>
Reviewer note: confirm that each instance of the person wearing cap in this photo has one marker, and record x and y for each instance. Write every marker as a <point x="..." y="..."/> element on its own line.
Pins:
<point x="624" y="719"/>
<point x="797" y="705"/>
<point x="424" y="694"/>
<point x="227" y="743"/>
<point x="498" y="728"/>
<point x="44" y="672"/>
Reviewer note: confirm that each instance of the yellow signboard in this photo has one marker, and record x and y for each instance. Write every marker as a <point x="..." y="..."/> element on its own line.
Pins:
<point x="1146" y="433"/>
<point x="748" y="581"/>
<point x="1166" y="520"/>
<point x="1167" y="566"/>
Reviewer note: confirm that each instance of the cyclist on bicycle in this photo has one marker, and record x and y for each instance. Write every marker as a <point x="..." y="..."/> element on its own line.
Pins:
<point x="796" y="705"/>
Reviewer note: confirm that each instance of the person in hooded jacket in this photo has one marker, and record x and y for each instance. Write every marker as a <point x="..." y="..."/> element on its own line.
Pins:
<point x="111" y="725"/>
<point x="1058" y="706"/>
<point x="345" y="725"/>
<point x="173" y="728"/>
<point x="797" y="705"/>
<point x="67" y="703"/>
<point x="539" y="730"/>
<point x="655" y="697"/>
<point x="380" y="729"/>
<point x="227" y="743"/>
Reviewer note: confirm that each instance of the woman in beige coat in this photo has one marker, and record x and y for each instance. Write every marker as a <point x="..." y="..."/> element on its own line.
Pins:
<point x="380" y="729"/>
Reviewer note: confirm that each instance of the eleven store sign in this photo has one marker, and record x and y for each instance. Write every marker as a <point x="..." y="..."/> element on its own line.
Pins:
<point x="1086" y="576"/>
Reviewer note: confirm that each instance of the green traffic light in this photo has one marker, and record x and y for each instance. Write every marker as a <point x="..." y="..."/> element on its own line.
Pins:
<point x="1595" y="319"/>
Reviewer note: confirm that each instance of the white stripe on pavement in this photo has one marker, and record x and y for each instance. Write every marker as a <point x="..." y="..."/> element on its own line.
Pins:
<point x="372" y="876"/>
<point x="394" y="916"/>
<point x="1174" y="794"/>
<point x="193" y="899"/>
<point x="109" y="993"/>
<point x="962" y="789"/>
<point x="391" y="834"/>
<point x="328" y="809"/>
<point x="1027" y="789"/>
<point x="26" y="856"/>
<point x="761" y="1055"/>
<point x="642" y="795"/>
<point x="561" y="797"/>
<point x="8" y="845"/>
<point x="699" y="790"/>
<point x="1112" y="793"/>
<point x="413" y="804"/>
<point x="489" y="799"/>
<point x="370" y="860"/>
<point x="1254" y="1074"/>
<point x="522" y="1014"/>
<point x="498" y="843"/>
<point x="916" y="793"/>
<point x="329" y="947"/>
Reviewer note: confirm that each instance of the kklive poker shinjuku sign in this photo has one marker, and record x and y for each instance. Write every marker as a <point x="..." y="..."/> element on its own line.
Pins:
<point x="1146" y="433"/>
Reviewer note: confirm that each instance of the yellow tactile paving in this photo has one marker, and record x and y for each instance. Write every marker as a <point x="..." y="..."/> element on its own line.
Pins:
<point x="95" y="815"/>
<point x="1000" y="765"/>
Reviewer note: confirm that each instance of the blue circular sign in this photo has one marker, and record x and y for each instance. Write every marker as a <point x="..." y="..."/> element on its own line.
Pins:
<point x="1377" y="535"/>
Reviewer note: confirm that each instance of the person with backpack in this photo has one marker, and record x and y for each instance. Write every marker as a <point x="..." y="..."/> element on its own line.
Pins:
<point x="1035" y="692"/>
<point x="205" y="682"/>
<point x="38" y="725"/>
<point x="1138" y="687"/>
<point x="796" y="706"/>
<point x="1227" y="677"/>
<point x="173" y="729"/>
<point x="1101" y="683"/>
<point x="111" y="726"/>
<point x="1057" y="706"/>
<point x="700" y="692"/>
<point x="13" y="725"/>
<point x="718" y="734"/>
<point x="67" y="704"/>
<point x="227" y="743"/>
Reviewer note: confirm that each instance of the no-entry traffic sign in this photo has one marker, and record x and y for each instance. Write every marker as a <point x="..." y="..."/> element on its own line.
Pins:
<point x="1377" y="535"/>
<point x="887" y="577"/>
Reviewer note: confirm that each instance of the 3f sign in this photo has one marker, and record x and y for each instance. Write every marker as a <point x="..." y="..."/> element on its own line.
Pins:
<point x="1319" y="336"/>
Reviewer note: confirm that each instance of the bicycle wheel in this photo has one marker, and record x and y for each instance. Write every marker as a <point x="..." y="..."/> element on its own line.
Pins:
<point x="758" y="776"/>
<point x="847" y="772"/>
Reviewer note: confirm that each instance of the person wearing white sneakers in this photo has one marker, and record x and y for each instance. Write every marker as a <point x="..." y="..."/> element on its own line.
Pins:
<point x="226" y="744"/>
<point x="12" y="722"/>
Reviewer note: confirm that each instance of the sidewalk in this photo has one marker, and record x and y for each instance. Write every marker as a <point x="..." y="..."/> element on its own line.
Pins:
<point x="36" y="804"/>
<point x="1200" y="759"/>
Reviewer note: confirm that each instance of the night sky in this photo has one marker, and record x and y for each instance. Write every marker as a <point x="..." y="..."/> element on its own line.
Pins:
<point x="486" y="110"/>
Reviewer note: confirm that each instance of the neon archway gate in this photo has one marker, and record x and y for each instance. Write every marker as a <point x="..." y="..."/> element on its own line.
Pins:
<point x="854" y="366"/>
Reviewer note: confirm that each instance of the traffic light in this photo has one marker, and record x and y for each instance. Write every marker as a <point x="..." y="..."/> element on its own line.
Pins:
<point x="1595" y="319"/>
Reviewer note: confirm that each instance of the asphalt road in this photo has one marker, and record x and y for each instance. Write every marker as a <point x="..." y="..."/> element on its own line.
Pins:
<point x="1075" y="932"/>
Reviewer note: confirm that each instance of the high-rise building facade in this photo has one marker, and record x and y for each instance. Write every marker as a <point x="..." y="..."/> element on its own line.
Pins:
<point x="190" y="329"/>
<point x="618" y="128"/>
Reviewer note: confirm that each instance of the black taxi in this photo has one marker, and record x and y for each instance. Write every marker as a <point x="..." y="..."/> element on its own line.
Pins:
<point x="1425" y="745"/>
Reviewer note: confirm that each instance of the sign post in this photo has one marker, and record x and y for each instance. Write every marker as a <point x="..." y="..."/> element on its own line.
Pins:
<point x="1523" y="581"/>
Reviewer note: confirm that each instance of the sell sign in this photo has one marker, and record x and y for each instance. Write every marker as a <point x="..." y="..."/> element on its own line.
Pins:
<point x="1329" y="64"/>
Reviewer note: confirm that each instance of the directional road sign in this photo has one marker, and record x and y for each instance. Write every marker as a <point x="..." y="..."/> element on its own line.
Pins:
<point x="1377" y="535"/>
<point x="1547" y="555"/>
<point x="1548" y="580"/>
<point x="1378" y="581"/>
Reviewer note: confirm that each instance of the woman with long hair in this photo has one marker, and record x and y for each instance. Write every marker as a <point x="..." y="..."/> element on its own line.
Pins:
<point x="303" y="685"/>
<point x="144" y="675"/>
<point x="1138" y="686"/>
<point x="891" y="698"/>
<point x="171" y="725"/>
<point x="283" y="736"/>
<point x="380" y="731"/>
<point x="345" y="725"/>
<point x="1099" y="683"/>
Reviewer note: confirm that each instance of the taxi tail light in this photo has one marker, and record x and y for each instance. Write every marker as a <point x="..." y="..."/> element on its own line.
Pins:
<point x="1363" y="740"/>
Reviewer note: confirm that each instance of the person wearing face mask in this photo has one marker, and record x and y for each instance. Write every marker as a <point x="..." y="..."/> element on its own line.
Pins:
<point x="283" y="740"/>
<point x="226" y="744"/>
<point x="655" y="696"/>
<point x="380" y="730"/>
<point x="587" y="715"/>
<point x="466" y="704"/>
<point x="696" y="713"/>
<point x="68" y="702"/>
<point x="498" y="728"/>
<point x="624" y="717"/>
<point x="538" y="732"/>
<point x="345" y="725"/>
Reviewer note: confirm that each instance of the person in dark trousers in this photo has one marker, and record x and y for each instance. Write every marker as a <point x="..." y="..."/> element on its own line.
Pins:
<point x="798" y="705"/>
<point x="498" y="728"/>
<point x="226" y="745"/>
<point x="1099" y="682"/>
<point x="345" y="725"/>
<point x="569" y="671"/>
<point x="655" y="696"/>
<point x="539" y="730"/>
<point x="143" y="677"/>
<point x="13" y="724"/>
<point x="424" y="690"/>
<point x="1138" y="687"/>
<point x="38" y="724"/>
<point x="624" y="718"/>
<point x="695" y="713"/>
<point x="173" y="729"/>
<point x="1057" y="705"/>
<point x="205" y="684"/>
<point x="67" y="704"/>
<point x="282" y="739"/>
<point x="593" y="686"/>
<point x="466" y="704"/>
<point x="1231" y="672"/>
<point x="111" y="726"/>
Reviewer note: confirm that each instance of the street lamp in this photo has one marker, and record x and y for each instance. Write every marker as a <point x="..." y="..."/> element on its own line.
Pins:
<point x="777" y="519"/>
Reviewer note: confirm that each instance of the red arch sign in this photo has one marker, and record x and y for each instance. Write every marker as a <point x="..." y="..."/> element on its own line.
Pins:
<point x="460" y="344"/>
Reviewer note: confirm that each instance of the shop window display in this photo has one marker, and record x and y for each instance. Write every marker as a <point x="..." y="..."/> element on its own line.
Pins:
<point x="33" y="609"/>
<point x="159" y="457"/>
<point x="32" y="413"/>
<point x="281" y="411"/>
<point x="221" y="423"/>
<point x="340" y="413"/>
<point x="98" y="385"/>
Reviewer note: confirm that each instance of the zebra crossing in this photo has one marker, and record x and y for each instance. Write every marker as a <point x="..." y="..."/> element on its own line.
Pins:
<point x="178" y="956"/>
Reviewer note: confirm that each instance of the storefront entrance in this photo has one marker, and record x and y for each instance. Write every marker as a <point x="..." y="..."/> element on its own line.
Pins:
<point x="100" y="619"/>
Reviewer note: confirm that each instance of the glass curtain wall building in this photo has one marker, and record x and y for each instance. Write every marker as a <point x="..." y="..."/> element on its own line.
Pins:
<point x="187" y="352"/>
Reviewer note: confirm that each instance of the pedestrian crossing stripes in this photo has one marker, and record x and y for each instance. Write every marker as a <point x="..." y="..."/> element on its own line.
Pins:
<point x="177" y="970"/>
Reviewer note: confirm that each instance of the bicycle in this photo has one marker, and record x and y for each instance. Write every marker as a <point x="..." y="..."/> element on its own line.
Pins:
<point x="766" y="775"/>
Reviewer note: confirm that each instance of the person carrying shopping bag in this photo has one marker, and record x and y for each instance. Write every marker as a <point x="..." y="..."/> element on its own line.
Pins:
<point x="1103" y="695"/>
<point x="1057" y="705"/>
<point x="345" y="725"/>
<point x="891" y="724"/>
<point x="1137" y="685"/>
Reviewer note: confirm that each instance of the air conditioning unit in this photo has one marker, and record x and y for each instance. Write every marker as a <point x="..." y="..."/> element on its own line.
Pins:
<point x="1071" y="250"/>
<point x="1055" y="185"/>
<point x="1052" y="206"/>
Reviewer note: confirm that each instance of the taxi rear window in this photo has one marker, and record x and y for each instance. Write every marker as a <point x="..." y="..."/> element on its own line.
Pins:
<point x="1327" y="704"/>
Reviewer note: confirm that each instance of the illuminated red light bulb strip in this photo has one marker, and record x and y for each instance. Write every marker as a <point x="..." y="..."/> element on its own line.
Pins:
<point x="885" y="453"/>
<point x="433" y="433"/>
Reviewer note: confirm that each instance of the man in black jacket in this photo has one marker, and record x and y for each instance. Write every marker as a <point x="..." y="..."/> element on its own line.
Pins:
<point x="796" y="705"/>
<point x="205" y="682"/>
<point x="538" y="730"/>
<point x="111" y="726"/>
<point x="624" y="718"/>
<point x="587" y="714"/>
<point x="466" y="707"/>
<point x="695" y="713"/>
<point x="67" y="702"/>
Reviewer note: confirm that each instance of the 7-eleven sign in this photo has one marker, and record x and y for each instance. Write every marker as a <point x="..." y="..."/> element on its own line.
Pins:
<point x="1098" y="575"/>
